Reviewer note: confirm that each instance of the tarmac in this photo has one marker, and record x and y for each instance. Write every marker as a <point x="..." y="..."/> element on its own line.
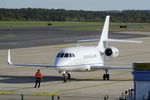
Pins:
<point x="20" y="80"/>
<point x="45" y="36"/>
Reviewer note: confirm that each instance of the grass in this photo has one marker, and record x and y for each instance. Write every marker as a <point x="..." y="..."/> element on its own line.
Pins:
<point x="20" y="24"/>
<point x="7" y="37"/>
<point x="77" y="26"/>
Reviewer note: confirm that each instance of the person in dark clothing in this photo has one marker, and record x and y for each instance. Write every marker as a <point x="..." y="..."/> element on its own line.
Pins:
<point x="38" y="77"/>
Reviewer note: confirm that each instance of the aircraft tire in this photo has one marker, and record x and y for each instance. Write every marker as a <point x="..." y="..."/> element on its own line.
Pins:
<point x="104" y="76"/>
<point x="65" y="78"/>
<point x="107" y="76"/>
<point x="69" y="75"/>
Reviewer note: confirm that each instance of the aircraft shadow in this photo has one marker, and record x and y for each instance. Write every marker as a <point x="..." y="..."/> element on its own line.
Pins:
<point x="31" y="79"/>
<point x="73" y="79"/>
<point x="26" y="79"/>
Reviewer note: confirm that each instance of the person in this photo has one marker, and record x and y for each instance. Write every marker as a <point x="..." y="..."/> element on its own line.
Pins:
<point x="38" y="77"/>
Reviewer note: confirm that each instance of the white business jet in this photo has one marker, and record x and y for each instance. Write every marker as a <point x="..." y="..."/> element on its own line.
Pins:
<point x="84" y="58"/>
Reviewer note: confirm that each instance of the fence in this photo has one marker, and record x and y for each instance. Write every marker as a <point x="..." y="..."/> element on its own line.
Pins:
<point x="55" y="97"/>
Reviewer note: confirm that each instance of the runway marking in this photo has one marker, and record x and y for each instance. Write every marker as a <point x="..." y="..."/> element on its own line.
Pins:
<point x="79" y="88"/>
<point x="68" y="90"/>
<point x="6" y="92"/>
<point x="59" y="92"/>
<point x="84" y="87"/>
<point x="45" y="94"/>
<point x="24" y="88"/>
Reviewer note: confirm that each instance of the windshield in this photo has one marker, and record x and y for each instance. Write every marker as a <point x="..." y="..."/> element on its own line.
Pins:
<point x="65" y="55"/>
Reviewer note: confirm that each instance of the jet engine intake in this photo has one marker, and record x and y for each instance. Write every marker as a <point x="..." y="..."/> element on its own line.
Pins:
<point x="112" y="52"/>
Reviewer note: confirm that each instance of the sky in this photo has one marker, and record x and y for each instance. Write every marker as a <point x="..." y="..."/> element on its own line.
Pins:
<point x="92" y="5"/>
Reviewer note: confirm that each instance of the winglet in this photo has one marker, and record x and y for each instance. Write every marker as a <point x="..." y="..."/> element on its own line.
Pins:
<point x="9" y="58"/>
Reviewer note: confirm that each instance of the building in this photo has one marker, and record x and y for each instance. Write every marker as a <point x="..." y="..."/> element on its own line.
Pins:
<point x="141" y="75"/>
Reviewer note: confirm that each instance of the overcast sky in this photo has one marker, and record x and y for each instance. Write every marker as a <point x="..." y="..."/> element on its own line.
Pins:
<point x="97" y="5"/>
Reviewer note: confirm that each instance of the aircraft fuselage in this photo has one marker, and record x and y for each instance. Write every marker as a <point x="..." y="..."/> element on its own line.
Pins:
<point x="78" y="58"/>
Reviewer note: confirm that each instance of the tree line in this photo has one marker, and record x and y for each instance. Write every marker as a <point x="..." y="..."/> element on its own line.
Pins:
<point x="36" y="14"/>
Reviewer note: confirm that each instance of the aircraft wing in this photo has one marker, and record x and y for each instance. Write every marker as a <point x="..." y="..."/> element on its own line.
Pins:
<point x="111" y="67"/>
<point x="33" y="65"/>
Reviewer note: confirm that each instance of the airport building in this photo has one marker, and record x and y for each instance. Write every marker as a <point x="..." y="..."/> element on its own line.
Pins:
<point x="141" y="75"/>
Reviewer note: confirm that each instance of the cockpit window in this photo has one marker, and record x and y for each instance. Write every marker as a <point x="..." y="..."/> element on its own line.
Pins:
<point x="62" y="54"/>
<point x="65" y="55"/>
<point x="73" y="55"/>
<point x="70" y="55"/>
<point x="58" y="55"/>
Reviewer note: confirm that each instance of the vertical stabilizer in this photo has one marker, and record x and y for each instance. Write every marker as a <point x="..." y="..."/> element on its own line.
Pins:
<point x="104" y="36"/>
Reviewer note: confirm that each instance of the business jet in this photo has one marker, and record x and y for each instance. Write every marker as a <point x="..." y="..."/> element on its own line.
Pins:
<point x="84" y="58"/>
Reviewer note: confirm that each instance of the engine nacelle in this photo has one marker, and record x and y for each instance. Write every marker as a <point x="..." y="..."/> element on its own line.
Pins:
<point x="112" y="52"/>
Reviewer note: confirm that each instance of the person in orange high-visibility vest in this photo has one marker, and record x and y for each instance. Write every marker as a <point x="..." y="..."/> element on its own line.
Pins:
<point x="38" y="77"/>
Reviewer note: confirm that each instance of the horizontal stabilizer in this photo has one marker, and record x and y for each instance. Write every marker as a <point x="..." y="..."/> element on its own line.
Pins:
<point x="110" y="40"/>
<point x="127" y="41"/>
<point x="89" y="40"/>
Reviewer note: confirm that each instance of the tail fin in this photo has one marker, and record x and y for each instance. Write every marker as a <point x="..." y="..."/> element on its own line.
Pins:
<point x="102" y="45"/>
<point x="104" y="36"/>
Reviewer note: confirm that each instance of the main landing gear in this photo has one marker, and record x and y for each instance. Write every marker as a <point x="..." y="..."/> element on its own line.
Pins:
<point x="106" y="76"/>
<point x="66" y="76"/>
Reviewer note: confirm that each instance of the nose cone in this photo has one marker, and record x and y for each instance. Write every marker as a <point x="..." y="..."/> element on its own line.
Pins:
<point x="58" y="62"/>
<point x="61" y="62"/>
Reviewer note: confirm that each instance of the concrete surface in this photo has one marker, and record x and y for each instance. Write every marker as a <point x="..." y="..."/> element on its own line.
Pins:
<point x="18" y="80"/>
<point x="39" y="36"/>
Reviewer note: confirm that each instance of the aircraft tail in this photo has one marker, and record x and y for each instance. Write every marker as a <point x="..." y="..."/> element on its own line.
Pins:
<point x="102" y="45"/>
<point x="104" y="35"/>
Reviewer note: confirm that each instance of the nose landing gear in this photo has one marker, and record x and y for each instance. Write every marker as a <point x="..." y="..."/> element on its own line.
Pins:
<point x="66" y="76"/>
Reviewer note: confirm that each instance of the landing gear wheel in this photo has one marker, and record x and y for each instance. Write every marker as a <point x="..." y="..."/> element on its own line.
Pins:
<point x="69" y="76"/>
<point x="106" y="76"/>
<point x="65" y="78"/>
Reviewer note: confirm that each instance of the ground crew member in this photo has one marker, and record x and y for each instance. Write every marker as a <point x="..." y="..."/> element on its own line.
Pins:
<point x="38" y="77"/>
